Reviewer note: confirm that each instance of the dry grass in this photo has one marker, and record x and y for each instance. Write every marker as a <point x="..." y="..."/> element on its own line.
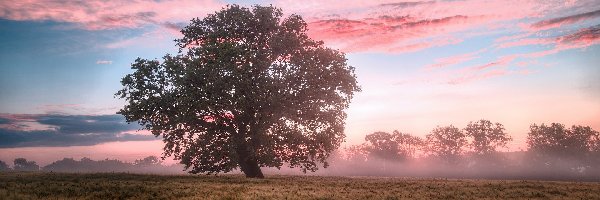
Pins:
<point x="133" y="186"/>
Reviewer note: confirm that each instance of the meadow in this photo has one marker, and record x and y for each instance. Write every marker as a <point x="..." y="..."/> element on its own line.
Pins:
<point x="46" y="185"/>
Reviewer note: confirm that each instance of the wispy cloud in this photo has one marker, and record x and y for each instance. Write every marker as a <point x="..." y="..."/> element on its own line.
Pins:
<point x="104" y="62"/>
<point x="453" y="60"/>
<point x="99" y="14"/>
<point x="560" y="21"/>
<point x="397" y="27"/>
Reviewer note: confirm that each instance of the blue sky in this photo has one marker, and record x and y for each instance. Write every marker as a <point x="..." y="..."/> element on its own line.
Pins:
<point x="420" y="63"/>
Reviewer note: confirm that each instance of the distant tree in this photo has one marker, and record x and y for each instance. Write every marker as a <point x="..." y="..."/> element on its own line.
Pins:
<point x="446" y="142"/>
<point x="248" y="89"/>
<point x="148" y="161"/>
<point x="356" y="153"/>
<point x="408" y="145"/>
<point x="557" y="140"/>
<point x="556" y="145"/>
<point x="4" y="167"/>
<point x="382" y="145"/>
<point x="21" y="164"/>
<point x="486" y="136"/>
<point x="64" y="165"/>
<point x="396" y="146"/>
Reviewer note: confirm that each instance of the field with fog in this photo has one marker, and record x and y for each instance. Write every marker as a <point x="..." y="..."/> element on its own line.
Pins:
<point x="44" y="185"/>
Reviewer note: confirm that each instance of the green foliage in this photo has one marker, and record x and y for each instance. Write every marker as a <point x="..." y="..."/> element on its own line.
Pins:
<point x="129" y="186"/>
<point x="247" y="89"/>
<point x="486" y="136"/>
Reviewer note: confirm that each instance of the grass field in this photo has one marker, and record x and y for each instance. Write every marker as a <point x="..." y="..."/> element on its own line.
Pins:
<point x="134" y="186"/>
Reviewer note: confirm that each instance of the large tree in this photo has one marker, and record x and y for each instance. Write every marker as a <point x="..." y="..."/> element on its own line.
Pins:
<point x="247" y="89"/>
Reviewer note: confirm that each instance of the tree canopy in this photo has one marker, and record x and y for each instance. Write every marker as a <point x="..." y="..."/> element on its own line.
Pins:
<point x="21" y="164"/>
<point x="486" y="136"/>
<point x="247" y="89"/>
<point x="446" y="142"/>
<point x="396" y="146"/>
<point x="557" y="140"/>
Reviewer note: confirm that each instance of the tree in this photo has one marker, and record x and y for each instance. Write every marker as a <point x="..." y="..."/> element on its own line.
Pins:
<point x="396" y="146"/>
<point x="4" y="167"/>
<point x="21" y="164"/>
<point x="148" y="161"/>
<point x="446" y="143"/>
<point x="248" y="89"/>
<point x="556" y="140"/>
<point x="408" y="144"/>
<point x="382" y="145"/>
<point x="486" y="136"/>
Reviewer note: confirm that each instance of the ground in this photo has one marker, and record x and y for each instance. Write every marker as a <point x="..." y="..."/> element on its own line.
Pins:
<point x="135" y="186"/>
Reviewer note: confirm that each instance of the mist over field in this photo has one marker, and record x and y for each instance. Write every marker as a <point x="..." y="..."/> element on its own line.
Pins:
<point x="503" y="166"/>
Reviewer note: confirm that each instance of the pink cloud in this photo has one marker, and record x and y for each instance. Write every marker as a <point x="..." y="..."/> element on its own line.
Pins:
<point x="98" y="14"/>
<point x="478" y="76"/>
<point x="504" y="60"/>
<point x="452" y="60"/>
<point x="397" y="27"/>
<point x="560" y="21"/>
<point x="525" y="42"/>
<point x="581" y="39"/>
<point x="397" y="34"/>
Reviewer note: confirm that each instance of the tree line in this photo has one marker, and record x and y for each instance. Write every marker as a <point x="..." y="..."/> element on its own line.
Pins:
<point x="150" y="164"/>
<point x="478" y="147"/>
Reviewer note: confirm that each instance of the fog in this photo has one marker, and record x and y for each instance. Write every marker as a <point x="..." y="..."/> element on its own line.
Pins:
<point x="507" y="165"/>
<point x="554" y="152"/>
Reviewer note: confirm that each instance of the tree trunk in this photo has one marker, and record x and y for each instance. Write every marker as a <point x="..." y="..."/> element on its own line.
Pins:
<point x="251" y="168"/>
<point x="248" y="163"/>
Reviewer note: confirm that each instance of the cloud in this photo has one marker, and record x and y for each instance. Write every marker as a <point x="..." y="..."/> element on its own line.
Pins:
<point x="407" y="4"/>
<point x="104" y="62"/>
<point x="560" y="21"/>
<point x="399" y="27"/>
<point x="582" y="38"/>
<point x="453" y="60"/>
<point x="394" y="34"/>
<point x="66" y="130"/>
<point x="100" y="15"/>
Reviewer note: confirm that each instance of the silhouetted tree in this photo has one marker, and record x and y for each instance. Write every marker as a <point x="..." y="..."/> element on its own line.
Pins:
<point x="408" y="145"/>
<point x="248" y="89"/>
<point x="148" y="161"/>
<point x="486" y="136"/>
<point x="356" y="153"/>
<point x="382" y="145"/>
<point x="557" y="140"/>
<point x="557" y="145"/>
<point x="396" y="146"/>
<point x="446" y="142"/>
<point x="4" y="167"/>
<point x="21" y="164"/>
<point x="67" y="165"/>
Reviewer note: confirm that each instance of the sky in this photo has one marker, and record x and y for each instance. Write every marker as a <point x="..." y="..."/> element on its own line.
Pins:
<point x="420" y="64"/>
